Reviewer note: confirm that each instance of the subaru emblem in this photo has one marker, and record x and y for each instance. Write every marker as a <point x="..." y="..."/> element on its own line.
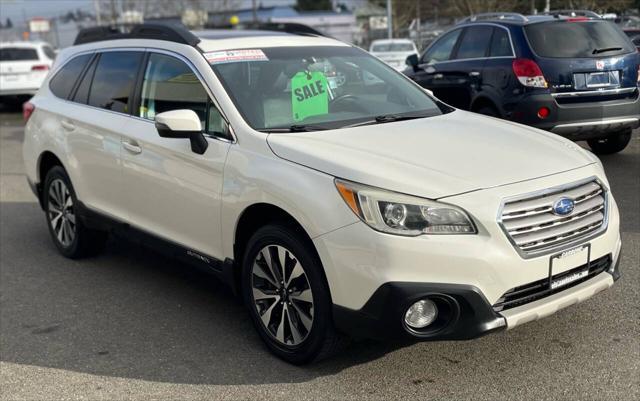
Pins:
<point x="563" y="206"/>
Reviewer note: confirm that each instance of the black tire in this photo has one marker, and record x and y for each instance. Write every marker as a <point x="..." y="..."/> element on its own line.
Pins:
<point x="321" y="340"/>
<point x="84" y="241"/>
<point x="488" y="111"/>
<point x="611" y="144"/>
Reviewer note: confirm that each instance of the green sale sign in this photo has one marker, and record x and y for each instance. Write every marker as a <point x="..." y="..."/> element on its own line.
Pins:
<point x="309" y="96"/>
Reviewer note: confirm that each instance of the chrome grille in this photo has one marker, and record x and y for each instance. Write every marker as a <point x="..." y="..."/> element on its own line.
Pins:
<point x="533" y="227"/>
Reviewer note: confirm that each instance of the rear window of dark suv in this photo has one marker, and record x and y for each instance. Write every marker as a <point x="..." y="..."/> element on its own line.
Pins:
<point x="577" y="39"/>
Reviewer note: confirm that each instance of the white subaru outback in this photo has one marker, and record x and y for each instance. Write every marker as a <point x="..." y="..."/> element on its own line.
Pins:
<point x="331" y="192"/>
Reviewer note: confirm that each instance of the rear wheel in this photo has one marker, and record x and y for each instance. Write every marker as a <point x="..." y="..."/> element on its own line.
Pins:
<point x="68" y="232"/>
<point x="287" y="296"/>
<point x="611" y="144"/>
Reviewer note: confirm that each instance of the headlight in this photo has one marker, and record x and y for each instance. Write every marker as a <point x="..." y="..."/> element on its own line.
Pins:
<point x="400" y="214"/>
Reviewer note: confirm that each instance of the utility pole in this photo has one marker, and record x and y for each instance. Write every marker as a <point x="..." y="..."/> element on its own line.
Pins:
<point x="389" y="20"/>
<point x="96" y="7"/>
<point x="547" y="6"/>
<point x="254" y="11"/>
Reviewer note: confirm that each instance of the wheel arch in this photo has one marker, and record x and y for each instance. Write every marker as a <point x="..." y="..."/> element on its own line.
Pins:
<point x="486" y="101"/>
<point x="46" y="161"/>
<point x="258" y="215"/>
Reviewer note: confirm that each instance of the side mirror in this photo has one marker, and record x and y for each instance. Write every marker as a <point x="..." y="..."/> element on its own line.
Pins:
<point x="412" y="61"/>
<point x="185" y="124"/>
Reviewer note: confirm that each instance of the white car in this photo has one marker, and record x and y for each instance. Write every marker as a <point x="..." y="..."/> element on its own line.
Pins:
<point x="393" y="51"/>
<point x="333" y="206"/>
<point x="24" y="67"/>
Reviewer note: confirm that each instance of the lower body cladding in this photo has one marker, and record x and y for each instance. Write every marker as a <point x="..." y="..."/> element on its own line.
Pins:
<point x="579" y="117"/>
<point x="458" y="287"/>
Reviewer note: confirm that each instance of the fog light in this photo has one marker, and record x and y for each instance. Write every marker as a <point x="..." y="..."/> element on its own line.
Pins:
<point x="421" y="314"/>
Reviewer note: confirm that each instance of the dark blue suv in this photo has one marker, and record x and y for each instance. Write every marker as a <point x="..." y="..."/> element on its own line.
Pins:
<point x="574" y="75"/>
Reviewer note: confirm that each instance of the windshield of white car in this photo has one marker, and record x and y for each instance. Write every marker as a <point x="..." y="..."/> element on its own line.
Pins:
<point x="392" y="47"/>
<point x="293" y="89"/>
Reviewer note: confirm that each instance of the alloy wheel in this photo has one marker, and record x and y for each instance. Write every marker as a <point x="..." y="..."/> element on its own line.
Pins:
<point x="282" y="295"/>
<point x="60" y="212"/>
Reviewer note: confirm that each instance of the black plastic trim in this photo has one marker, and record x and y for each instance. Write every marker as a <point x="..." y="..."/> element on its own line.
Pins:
<point x="171" y="32"/>
<point x="382" y="317"/>
<point x="222" y="269"/>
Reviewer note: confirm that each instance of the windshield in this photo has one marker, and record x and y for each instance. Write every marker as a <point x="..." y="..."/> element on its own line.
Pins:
<point x="317" y="87"/>
<point x="392" y="47"/>
<point x="566" y="39"/>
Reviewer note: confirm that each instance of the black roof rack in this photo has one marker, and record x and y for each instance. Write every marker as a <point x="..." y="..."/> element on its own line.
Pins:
<point x="495" y="16"/>
<point x="171" y="32"/>
<point x="282" y="27"/>
<point x="573" y="13"/>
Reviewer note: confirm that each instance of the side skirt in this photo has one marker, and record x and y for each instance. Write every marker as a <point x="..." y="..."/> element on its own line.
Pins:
<point x="222" y="269"/>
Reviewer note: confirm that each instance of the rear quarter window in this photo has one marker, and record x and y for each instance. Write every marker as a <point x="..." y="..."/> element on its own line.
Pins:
<point x="18" y="54"/>
<point x="584" y="39"/>
<point x="64" y="80"/>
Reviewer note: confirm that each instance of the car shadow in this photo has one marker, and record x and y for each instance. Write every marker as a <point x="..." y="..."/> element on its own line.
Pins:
<point x="133" y="313"/>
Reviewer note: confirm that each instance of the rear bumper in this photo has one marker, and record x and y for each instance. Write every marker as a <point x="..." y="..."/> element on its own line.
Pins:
<point x="578" y="120"/>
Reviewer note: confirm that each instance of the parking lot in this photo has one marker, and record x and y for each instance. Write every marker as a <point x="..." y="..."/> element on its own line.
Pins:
<point x="132" y="324"/>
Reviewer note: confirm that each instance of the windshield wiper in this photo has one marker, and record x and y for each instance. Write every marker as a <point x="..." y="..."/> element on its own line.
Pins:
<point x="606" y="49"/>
<point x="296" y="128"/>
<point x="387" y="118"/>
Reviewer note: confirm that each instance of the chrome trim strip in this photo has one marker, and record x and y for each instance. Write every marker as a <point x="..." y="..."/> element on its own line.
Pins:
<point x="603" y="92"/>
<point x="601" y="122"/>
<point x="548" y="191"/>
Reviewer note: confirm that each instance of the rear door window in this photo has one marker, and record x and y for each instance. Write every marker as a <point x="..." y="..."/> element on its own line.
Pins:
<point x="500" y="44"/>
<point x="114" y="79"/>
<point x="475" y="42"/>
<point x="18" y="54"/>
<point x="64" y="80"/>
<point x="583" y="39"/>
<point x="442" y="49"/>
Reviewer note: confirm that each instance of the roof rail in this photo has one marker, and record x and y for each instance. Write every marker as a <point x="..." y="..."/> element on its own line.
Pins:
<point x="496" y="16"/>
<point x="171" y="32"/>
<point x="573" y="13"/>
<point x="286" y="27"/>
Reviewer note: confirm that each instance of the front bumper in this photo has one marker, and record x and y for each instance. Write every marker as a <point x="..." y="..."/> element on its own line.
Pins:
<point x="374" y="276"/>
<point x="579" y="120"/>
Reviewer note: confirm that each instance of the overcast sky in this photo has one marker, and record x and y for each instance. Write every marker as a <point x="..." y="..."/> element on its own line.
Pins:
<point x="18" y="10"/>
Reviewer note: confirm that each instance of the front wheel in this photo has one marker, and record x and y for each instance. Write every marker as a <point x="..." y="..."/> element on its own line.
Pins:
<point x="287" y="296"/>
<point x="611" y="144"/>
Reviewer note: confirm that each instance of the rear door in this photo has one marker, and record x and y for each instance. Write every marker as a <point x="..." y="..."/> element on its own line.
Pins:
<point x="581" y="55"/>
<point x="93" y="120"/>
<point x="171" y="191"/>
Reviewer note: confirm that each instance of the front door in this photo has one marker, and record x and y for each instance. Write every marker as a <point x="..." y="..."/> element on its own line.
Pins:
<point x="171" y="191"/>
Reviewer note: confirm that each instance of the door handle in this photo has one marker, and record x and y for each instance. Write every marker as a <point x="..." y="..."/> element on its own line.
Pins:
<point x="438" y="76"/>
<point x="69" y="126"/>
<point x="132" y="147"/>
<point x="474" y="74"/>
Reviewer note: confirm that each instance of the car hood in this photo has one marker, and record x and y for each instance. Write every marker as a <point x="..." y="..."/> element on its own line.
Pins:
<point x="433" y="157"/>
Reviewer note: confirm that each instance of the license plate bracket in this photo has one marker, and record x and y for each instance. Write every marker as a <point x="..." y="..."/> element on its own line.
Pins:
<point x="567" y="279"/>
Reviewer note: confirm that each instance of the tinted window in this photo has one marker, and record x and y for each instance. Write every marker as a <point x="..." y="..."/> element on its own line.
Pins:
<point x="114" y="80"/>
<point x="82" y="93"/>
<point x="500" y="44"/>
<point x="169" y="84"/>
<point x="577" y="39"/>
<point x="18" y="54"/>
<point x="392" y="47"/>
<point x="475" y="42"/>
<point x="48" y="51"/>
<point x="62" y="83"/>
<point x="441" y="50"/>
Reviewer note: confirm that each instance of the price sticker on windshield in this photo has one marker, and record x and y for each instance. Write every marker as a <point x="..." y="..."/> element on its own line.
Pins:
<point x="309" y="95"/>
<point x="235" y="56"/>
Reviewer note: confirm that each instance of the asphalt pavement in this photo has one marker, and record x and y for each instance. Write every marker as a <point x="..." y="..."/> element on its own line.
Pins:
<point x="132" y="324"/>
